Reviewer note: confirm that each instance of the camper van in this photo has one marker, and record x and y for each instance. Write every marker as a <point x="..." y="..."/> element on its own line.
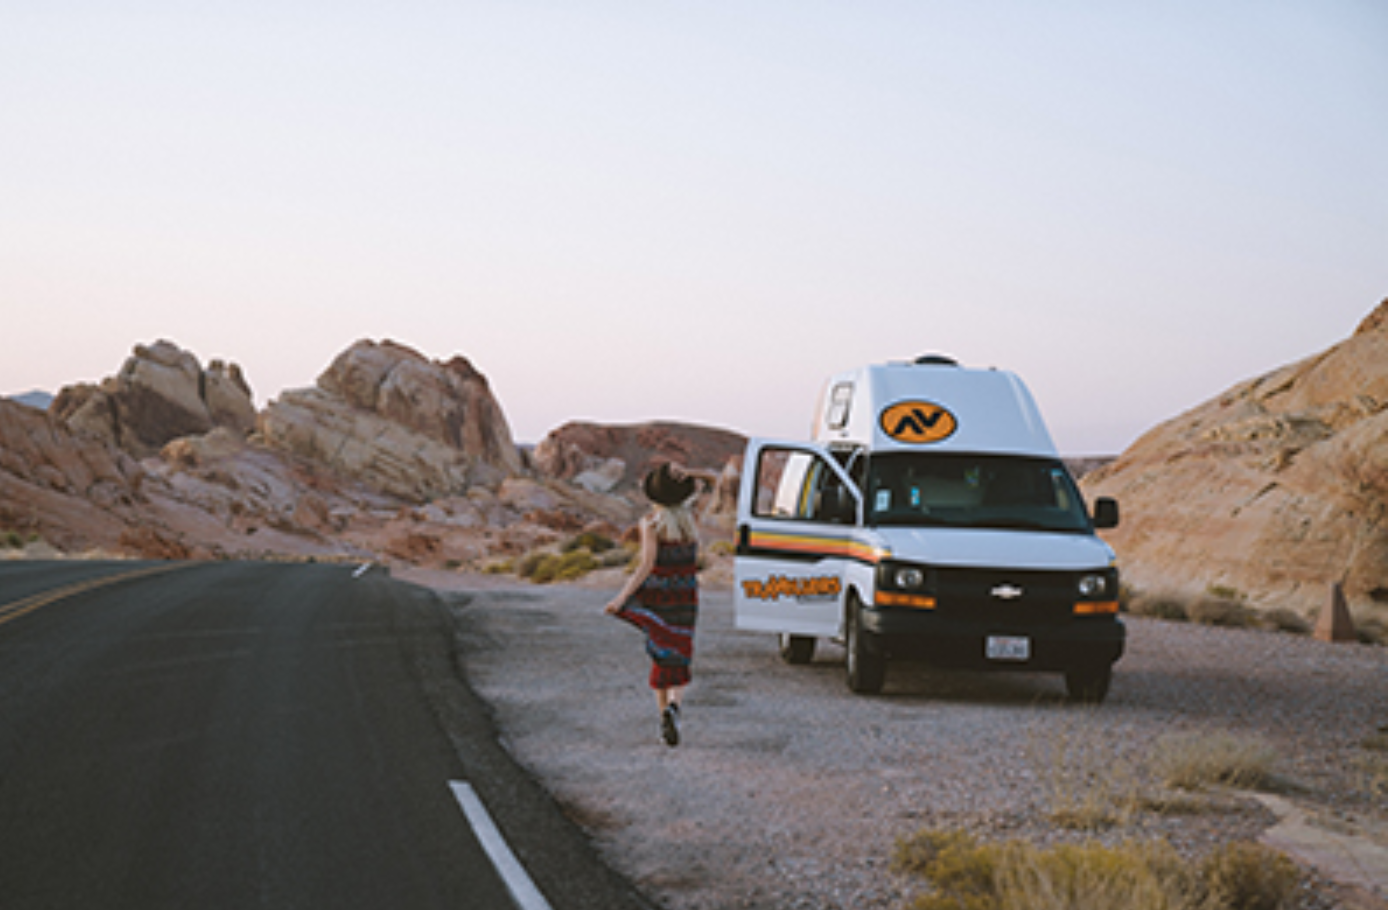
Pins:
<point x="930" y="518"/>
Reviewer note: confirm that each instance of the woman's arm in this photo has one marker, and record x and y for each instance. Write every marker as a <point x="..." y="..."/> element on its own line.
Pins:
<point x="643" y="567"/>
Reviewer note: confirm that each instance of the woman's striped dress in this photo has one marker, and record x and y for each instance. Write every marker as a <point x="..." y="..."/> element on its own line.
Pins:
<point x="665" y="607"/>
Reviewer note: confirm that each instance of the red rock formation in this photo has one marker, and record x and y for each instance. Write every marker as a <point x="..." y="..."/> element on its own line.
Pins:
<point x="1277" y="488"/>
<point x="66" y="488"/>
<point x="160" y="394"/>
<point x="576" y="449"/>
<point x="391" y="457"/>
<point x="384" y="414"/>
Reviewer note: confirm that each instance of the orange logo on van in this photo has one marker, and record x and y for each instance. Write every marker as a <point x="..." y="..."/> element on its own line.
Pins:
<point x="918" y="422"/>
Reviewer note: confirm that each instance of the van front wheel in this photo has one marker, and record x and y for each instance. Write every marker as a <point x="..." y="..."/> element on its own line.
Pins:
<point x="867" y="667"/>
<point x="1088" y="685"/>
<point x="796" y="649"/>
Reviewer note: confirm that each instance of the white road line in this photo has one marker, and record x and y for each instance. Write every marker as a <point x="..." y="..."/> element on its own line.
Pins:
<point x="362" y="570"/>
<point x="518" y="882"/>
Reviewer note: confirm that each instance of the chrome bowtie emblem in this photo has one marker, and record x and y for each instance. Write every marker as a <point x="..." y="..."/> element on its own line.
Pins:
<point x="1007" y="592"/>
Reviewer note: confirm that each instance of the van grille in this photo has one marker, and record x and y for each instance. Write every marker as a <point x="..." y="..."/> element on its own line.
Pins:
<point x="1004" y="595"/>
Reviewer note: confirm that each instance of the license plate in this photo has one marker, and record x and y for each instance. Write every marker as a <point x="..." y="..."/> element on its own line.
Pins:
<point x="1008" y="647"/>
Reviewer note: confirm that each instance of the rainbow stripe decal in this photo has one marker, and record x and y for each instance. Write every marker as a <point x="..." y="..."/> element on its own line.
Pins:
<point x="770" y="543"/>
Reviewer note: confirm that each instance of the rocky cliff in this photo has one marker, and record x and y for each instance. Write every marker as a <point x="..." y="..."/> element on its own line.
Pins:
<point x="1275" y="489"/>
<point x="604" y="457"/>
<point x="161" y="393"/>
<point x="390" y="456"/>
<point x="386" y="415"/>
<point x="76" y="492"/>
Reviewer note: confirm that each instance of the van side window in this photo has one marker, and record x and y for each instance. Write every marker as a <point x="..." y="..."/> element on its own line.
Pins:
<point x="792" y="484"/>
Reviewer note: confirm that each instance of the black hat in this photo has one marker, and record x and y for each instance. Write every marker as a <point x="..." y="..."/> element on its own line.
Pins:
<point x="661" y="487"/>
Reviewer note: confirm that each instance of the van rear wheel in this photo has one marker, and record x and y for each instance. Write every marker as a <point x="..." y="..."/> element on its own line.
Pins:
<point x="867" y="666"/>
<point x="796" y="649"/>
<point x="1088" y="685"/>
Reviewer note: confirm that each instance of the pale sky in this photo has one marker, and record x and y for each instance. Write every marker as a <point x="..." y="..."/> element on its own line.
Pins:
<point x="694" y="209"/>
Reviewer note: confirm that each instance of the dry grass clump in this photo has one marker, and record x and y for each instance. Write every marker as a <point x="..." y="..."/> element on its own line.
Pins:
<point x="13" y="540"/>
<point x="1226" y="612"/>
<point x="1286" y="620"/>
<point x="1087" y="784"/>
<point x="1192" y="761"/>
<point x="1373" y="763"/>
<point x="723" y="548"/>
<point x="1158" y="606"/>
<point x="1220" y="605"/>
<point x="1371" y="630"/>
<point x="543" y="568"/>
<point x="1090" y="784"/>
<point x="576" y="557"/>
<point x="967" y="874"/>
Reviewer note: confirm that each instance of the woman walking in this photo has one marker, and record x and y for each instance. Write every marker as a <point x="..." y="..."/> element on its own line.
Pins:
<point x="662" y="596"/>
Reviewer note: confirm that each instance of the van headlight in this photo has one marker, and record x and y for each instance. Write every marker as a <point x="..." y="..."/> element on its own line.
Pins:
<point x="1093" y="586"/>
<point x="904" y="585"/>
<point x="908" y="578"/>
<point x="1096" y="593"/>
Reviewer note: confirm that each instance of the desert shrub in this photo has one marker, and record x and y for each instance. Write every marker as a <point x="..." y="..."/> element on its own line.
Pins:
<point x="1248" y="876"/>
<point x="1220" y="611"/>
<point x="12" y="540"/>
<point x="499" y="567"/>
<point x="1373" y="771"/>
<point x="966" y="874"/>
<point x="962" y="870"/>
<point x="1226" y="592"/>
<point x="1373" y="764"/>
<point x="1191" y="761"/>
<point x="543" y="567"/>
<point x="722" y="548"/>
<point x="575" y="564"/>
<point x="591" y="541"/>
<point x="1286" y="620"/>
<point x="1371" y="631"/>
<point x="530" y="563"/>
<point x="1158" y="606"/>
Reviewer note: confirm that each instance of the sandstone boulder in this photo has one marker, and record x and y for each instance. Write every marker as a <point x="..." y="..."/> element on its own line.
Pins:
<point x="1277" y="488"/>
<point x="613" y="458"/>
<point x="384" y="414"/>
<point x="67" y="488"/>
<point x="161" y="393"/>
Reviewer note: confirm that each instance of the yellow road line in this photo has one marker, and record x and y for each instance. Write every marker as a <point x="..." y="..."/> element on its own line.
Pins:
<point x="44" y="598"/>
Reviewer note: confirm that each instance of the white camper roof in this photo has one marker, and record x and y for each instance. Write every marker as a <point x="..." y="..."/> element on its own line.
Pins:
<point x="932" y="405"/>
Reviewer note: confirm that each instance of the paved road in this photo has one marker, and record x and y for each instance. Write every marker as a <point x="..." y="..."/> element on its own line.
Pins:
<point x="247" y="735"/>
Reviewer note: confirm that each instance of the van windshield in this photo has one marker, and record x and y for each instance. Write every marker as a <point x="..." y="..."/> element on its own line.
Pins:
<point x="1007" y="492"/>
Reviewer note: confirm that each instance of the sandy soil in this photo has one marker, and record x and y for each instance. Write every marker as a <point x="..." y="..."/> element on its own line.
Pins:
<point x="790" y="792"/>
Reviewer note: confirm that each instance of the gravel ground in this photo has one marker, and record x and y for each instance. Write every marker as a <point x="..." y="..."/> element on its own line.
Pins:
<point x="790" y="792"/>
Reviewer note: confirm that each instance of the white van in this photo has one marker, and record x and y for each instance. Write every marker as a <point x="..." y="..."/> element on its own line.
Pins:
<point x="931" y="518"/>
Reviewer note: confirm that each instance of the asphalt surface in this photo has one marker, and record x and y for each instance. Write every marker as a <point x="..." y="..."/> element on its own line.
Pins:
<point x="254" y="735"/>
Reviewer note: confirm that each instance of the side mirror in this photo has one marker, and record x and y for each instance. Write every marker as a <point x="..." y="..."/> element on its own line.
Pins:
<point x="1105" y="512"/>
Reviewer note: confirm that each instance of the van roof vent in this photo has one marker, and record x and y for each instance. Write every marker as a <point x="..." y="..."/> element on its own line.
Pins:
<point x="936" y="360"/>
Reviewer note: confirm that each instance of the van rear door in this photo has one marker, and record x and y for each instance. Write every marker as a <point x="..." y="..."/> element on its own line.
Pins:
<point x="797" y="510"/>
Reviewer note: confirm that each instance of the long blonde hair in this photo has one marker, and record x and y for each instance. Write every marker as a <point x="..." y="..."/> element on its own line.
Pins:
<point x="674" y="524"/>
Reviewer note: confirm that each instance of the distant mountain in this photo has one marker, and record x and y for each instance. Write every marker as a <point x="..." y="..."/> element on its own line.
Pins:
<point x="35" y="399"/>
